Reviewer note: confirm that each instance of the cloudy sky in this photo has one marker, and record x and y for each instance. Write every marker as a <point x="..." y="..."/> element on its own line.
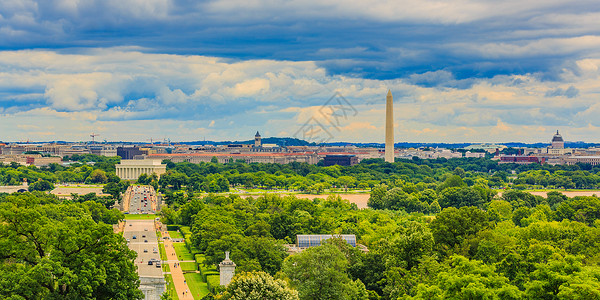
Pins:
<point x="460" y="71"/>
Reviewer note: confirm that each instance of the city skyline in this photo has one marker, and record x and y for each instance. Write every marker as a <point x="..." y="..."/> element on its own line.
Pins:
<point x="461" y="71"/>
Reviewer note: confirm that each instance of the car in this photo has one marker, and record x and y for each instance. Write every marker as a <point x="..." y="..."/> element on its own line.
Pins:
<point x="144" y="236"/>
<point x="145" y="229"/>
<point x="145" y="250"/>
<point x="145" y="241"/>
<point x="128" y="240"/>
<point x="134" y="237"/>
<point x="158" y="264"/>
<point x="150" y="262"/>
<point x="130" y="224"/>
<point x="154" y="250"/>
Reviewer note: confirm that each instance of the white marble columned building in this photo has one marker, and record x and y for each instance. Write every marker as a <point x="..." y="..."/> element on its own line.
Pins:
<point x="131" y="169"/>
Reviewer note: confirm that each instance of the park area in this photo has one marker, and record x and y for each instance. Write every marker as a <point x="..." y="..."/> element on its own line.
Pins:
<point x="199" y="278"/>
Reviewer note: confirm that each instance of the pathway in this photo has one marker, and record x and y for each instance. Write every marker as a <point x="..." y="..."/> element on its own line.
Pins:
<point x="176" y="273"/>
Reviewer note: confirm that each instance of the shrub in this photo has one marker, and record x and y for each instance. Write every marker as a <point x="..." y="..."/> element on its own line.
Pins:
<point x="213" y="282"/>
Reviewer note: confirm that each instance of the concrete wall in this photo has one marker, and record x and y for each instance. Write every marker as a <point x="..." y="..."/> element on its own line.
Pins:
<point x="152" y="287"/>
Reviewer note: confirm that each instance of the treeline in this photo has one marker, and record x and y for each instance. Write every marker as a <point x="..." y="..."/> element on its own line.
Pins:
<point x="514" y="247"/>
<point x="100" y="172"/>
<point x="44" y="178"/>
<point x="216" y="178"/>
<point x="53" y="249"/>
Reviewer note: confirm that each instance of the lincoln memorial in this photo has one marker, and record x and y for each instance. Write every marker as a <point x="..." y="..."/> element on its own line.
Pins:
<point x="131" y="169"/>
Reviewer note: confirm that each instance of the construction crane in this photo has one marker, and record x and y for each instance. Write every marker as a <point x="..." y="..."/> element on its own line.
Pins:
<point x="93" y="135"/>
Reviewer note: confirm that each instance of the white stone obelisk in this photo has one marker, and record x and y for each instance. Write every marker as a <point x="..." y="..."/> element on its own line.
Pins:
<point x="389" y="127"/>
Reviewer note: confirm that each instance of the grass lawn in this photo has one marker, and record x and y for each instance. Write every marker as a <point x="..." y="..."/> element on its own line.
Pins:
<point x="81" y="186"/>
<point x="163" y="257"/>
<point x="188" y="266"/>
<point x="171" y="287"/>
<point x="139" y="217"/>
<point x="198" y="288"/>
<point x="161" y="249"/>
<point x="182" y="252"/>
<point x="175" y="235"/>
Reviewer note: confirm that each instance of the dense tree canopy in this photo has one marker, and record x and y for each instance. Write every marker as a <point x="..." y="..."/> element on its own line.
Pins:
<point x="258" y="286"/>
<point x="436" y="229"/>
<point x="503" y="248"/>
<point x="54" y="250"/>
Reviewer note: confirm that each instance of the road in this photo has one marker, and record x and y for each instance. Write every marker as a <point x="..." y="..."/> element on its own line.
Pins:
<point x="141" y="237"/>
<point x="140" y="199"/>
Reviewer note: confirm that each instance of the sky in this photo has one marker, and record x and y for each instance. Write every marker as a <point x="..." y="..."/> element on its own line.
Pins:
<point x="184" y="70"/>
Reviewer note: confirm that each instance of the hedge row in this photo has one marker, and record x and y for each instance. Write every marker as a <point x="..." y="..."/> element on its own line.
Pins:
<point x="213" y="282"/>
<point x="185" y="230"/>
<point x="172" y="227"/>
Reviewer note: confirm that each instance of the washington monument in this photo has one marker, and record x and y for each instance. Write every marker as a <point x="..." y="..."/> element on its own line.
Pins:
<point x="389" y="128"/>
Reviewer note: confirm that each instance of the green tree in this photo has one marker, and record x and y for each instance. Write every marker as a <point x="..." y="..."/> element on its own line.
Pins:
<point x="41" y="185"/>
<point x="144" y="179"/>
<point x="56" y="251"/>
<point x="258" y="286"/>
<point x="321" y="273"/>
<point x="468" y="280"/>
<point x="459" y="197"/>
<point x="398" y="199"/>
<point x="406" y="248"/>
<point x="97" y="176"/>
<point x="452" y="181"/>
<point x="499" y="210"/>
<point x="452" y="226"/>
<point x="376" y="199"/>
<point x="113" y="189"/>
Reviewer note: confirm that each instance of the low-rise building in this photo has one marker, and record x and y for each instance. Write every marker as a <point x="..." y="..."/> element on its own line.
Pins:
<point x="521" y="159"/>
<point x="247" y="157"/>
<point x="470" y="154"/>
<point x="342" y="160"/>
<point x="30" y="159"/>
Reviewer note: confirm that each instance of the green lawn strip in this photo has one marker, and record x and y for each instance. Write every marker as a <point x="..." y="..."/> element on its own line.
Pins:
<point x="163" y="253"/>
<point x="175" y="235"/>
<point x="163" y="257"/>
<point x="188" y="266"/>
<point x="139" y="217"/>
<point x="182" y="252"/>
<point x="198" y="288"/>
<point x="80" y="187"/>
<point x="171" y="287"/>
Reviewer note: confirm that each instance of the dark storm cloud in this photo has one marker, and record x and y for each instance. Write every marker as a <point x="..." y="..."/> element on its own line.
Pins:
<point x="370" y="39"/>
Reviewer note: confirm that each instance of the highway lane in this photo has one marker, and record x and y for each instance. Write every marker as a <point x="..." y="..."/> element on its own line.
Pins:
<point x="140" y="199"/>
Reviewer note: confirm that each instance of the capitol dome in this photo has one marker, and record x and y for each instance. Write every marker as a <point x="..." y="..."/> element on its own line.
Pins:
<point x="557" y="137"/>
<point x="557" y="141"/>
